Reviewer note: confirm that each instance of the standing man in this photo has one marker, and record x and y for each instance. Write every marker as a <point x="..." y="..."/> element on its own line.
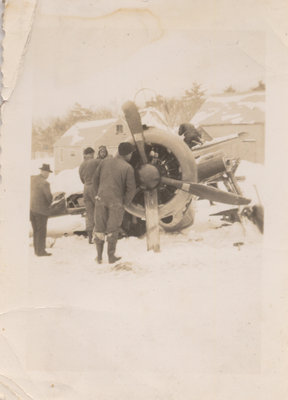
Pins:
<point x="115" y="187"/>
<point x="40" y="201"/>
<point x="86" y="172"/>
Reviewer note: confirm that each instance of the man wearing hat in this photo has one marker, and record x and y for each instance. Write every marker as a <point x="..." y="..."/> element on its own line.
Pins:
<point x="114" y="186"/>
<point x="40" y="201"/>
<point x="102" y="152"/>
<point x="86" y="172"/>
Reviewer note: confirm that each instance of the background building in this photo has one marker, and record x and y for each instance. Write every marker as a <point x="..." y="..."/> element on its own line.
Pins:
<point x="68" y="149"/>
<point x="227" y="114"/>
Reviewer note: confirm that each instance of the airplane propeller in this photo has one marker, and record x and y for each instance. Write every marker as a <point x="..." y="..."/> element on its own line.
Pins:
<point x="150" y="179"/>
<point x="206" y="192"/>
<point x="150" y="194"/>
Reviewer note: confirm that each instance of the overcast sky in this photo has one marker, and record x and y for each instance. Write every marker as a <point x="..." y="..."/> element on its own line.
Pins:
<point x="91" y="53"/>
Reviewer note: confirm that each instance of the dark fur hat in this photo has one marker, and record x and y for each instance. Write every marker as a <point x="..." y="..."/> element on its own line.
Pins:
<point x="125" y="148"/>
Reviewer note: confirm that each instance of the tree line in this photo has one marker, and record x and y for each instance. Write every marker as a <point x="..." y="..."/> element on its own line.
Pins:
<point x="179" y="109"/>
<point x="44" y="136"/>
<point x="175" y="110"/>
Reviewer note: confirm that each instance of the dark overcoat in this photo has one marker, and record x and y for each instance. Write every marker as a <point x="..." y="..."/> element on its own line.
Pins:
<point x="114" y="180"/>
<point x="41" y="197"/>
<point x="87" y="170"/>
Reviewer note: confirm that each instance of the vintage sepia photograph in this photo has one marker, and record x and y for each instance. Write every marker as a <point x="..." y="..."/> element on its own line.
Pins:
<point x="139" y="222"/>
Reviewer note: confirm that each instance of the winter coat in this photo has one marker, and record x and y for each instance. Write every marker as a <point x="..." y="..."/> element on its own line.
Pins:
<point x="191" y="135"/>
<point x="41" y="197"/>
<point x="87" y="170"/>
<point x="114" y="180"/>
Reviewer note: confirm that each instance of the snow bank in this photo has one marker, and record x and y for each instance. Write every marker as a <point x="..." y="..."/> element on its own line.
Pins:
<point x="67" y="181"/>
<point x="253" y="185"/>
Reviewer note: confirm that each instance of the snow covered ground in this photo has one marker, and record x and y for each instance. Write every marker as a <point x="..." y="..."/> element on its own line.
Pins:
<point x="158" y="326"/>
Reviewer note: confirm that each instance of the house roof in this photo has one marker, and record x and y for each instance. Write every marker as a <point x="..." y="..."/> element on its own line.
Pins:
<point x="244" y="108"/>
<point x="83" y="131"/>
<point x="152" y="117"/>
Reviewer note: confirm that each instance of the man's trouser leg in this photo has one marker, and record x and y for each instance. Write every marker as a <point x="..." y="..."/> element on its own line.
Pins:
<point x="112" y="242"/>
<point x="115" y="218"/>
<point x="100" y="219"/>
<point x="34" y="228"/>
<point x="90" y="205"/>
<point x="39" y="226"/>
<point x="99" y="241"/>
<point x="42" y="234"/>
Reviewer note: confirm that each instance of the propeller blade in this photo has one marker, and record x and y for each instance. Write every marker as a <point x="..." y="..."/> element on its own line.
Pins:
<point x="152" y="220"/>
<point x="206" y="192"/>
<point x="150" y="196"/>
<point x="135" y="125"/>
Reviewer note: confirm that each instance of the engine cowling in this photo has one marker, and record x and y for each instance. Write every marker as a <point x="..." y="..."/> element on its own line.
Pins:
<point x="174" y="159"/>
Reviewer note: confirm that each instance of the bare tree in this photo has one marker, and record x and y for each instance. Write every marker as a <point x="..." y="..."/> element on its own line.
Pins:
<point x="192" y="101"/>
<point x="230" y="89"/>
<point x="178" y="110"/>
<point x="261" y="86"/>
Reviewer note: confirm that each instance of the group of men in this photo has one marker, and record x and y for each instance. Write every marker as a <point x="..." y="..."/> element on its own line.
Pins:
<point x="109" y="186"/>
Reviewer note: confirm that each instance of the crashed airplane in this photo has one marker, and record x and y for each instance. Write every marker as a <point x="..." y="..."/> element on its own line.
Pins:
<point x="170" y="177"/>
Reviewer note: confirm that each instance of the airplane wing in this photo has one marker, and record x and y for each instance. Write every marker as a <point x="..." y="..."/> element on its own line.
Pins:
<point x="221" y="143"/>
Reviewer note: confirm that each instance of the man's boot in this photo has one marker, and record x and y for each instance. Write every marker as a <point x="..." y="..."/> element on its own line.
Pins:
<point x="99" y="248"/>
<point x="90" y="237"/>
<point x="111" y="250"/>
